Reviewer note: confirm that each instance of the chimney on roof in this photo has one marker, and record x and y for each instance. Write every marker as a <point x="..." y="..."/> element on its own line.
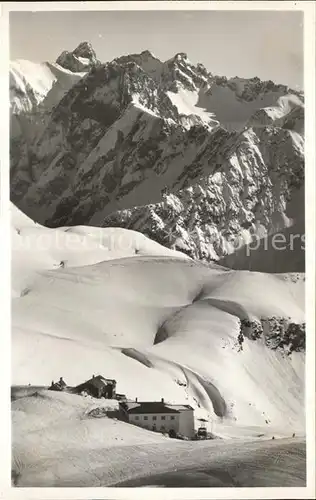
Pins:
<point x="162" y="400"/>
<point x="92" y="376"/>
<point x="135" y="400"/>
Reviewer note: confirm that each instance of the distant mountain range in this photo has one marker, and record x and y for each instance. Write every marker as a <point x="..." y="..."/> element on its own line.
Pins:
<point x="199" y="163"/>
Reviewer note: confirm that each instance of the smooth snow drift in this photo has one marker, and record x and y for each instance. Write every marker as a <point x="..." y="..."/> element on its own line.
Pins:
<point x="86" y="295"/>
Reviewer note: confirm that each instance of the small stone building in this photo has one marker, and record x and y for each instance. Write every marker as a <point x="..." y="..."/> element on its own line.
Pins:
<point x="58" y="386"/>
<point x="98" y="387"/>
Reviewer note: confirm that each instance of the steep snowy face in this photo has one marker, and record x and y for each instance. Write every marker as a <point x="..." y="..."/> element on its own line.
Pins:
<point x="29" y="84"/>
<point x="198" y="162"/>
<point x="209" y="216"/>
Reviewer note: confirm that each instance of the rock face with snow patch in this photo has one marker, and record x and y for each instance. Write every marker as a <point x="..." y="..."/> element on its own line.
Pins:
<point x="197" y="162"/>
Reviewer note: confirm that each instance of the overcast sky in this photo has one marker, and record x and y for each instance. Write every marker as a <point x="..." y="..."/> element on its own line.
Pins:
<point x="231" y="43"/>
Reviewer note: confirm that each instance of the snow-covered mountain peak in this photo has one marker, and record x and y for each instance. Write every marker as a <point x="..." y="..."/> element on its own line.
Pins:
<point x="110" y="297"/>
<point x="86" y="50"/>
<point x="147" y="54"/>
<point x="181" y="56"/>
<point x="108" y="89"/>
<point x="146" y="60"/>
<point x="179" y="70"/>
<point x="30" y="82"/>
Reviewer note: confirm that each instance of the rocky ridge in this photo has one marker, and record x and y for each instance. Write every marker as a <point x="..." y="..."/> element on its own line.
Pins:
<point x="198" y="162"/>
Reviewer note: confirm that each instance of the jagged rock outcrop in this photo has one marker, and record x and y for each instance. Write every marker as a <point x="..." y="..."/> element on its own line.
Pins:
<point x="276" y="332"/>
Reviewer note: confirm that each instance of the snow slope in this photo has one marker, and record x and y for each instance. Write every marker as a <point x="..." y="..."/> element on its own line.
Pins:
<point x="90" y="300"/>
<point x="159" y="323"/>
<point x="57" y="443"/>
<point x="186" y="103"/>
<point x="35" y="248"/>
<point x="29" y="83"/>
<point x="35" y="88"/>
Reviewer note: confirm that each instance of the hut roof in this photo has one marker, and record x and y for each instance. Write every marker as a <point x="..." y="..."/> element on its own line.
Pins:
<point x="150" y="407"/>
<point x="135" y="407"/>
<point x="99" y="382"/>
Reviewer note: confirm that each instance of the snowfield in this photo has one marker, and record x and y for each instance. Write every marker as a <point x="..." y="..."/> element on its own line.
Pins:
<point x="186" y="103"/>
<point x="87" y="300"/>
